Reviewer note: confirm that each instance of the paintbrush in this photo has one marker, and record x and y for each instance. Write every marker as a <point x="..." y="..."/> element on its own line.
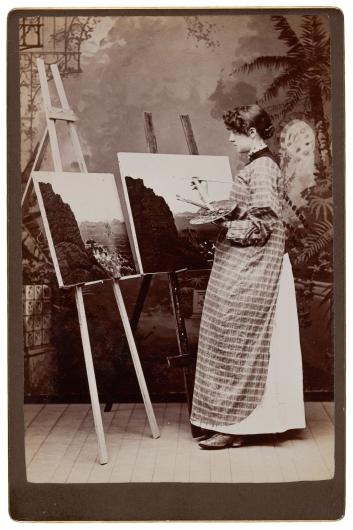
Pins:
<point x="195" y="203"/>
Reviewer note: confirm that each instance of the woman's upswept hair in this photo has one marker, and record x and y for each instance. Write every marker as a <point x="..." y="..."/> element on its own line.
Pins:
<point x="241" y="119"/>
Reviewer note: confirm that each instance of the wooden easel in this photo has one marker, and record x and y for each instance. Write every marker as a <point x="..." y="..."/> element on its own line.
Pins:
<point x="184" y="360"/>
<point x="66" y="114"/>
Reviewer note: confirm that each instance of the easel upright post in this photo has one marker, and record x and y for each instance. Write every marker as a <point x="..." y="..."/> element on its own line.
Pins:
<point x="97" y="416"/>
<point x="54" y="144"/>
<point x="65" y="105"/>
<point x="50" y="136"/>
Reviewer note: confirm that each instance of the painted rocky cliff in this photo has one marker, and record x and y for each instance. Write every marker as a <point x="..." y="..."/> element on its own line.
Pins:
<point x="77" y="264"/>
<point x="161" y="247"/>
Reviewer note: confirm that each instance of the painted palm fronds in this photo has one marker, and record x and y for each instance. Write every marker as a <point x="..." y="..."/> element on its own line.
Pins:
<point x="304" y="74"/>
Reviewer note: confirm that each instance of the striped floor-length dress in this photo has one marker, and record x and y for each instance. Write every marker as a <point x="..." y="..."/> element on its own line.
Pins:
<point x="238" y="315"/>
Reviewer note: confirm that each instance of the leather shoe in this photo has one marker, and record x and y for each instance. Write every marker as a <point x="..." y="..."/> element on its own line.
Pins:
<point x="206" y="433"/>
<point x="221" y="441"/>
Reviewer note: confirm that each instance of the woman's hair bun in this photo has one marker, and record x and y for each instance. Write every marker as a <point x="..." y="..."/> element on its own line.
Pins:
<point x="268" y="132"/>
<point x="241" y="119"/>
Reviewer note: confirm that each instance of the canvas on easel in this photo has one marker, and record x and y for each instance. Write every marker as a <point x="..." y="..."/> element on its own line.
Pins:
<point x="156" y="190"/>
<point x="84" y="227"/>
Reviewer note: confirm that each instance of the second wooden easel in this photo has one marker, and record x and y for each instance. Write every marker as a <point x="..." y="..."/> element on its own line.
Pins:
<point x="50" y="136"/>
<point x="185" y="360"/>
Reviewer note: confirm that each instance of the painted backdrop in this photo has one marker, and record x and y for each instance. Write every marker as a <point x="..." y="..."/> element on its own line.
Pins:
<point x="117" y="67"/>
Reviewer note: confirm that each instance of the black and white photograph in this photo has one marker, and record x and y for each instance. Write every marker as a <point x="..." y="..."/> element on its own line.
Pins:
<point x="188" y="158"/>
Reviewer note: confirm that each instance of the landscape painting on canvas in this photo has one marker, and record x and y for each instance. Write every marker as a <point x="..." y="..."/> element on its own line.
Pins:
<point x="158" y="196"/>
<point x="84" y="226"/>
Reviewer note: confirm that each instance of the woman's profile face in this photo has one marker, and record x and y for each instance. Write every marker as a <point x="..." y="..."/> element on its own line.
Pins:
<point x="241" y="142"/>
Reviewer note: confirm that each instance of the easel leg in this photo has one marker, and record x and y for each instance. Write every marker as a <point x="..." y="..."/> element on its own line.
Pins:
<point x="36" y="165"/>
<point x="97" y="416"/>
<point x="183" y="344"/>
<point x="146" y="281"/>
<point x="136" y="360"/>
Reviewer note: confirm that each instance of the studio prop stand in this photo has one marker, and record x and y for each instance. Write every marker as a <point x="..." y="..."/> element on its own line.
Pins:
<point x="181" y="360"/>
<point x="50" y="137"/>
<point x="184" y="360"/>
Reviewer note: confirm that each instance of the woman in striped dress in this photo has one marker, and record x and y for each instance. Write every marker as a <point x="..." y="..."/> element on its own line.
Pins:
<point x="249" y="371"/>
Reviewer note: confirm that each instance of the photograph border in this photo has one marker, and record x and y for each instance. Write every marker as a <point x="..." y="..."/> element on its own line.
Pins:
<point x="312" y="500"/>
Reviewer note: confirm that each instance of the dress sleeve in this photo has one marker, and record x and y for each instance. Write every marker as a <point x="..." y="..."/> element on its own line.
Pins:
<point x="255" y="224"/>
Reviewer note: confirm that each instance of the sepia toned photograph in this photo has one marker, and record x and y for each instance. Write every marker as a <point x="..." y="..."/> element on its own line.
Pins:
<point x="188" y="158"/>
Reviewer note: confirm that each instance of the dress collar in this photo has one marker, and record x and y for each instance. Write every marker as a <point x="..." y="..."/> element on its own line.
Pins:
<point x="259" y="147"/>
<point x="264" y="151"/>
<point x="257" y="152"/>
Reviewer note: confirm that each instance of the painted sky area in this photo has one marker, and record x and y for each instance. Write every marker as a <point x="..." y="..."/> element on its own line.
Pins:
<point x="170" y="176"/>
<point x="91" y="196"/>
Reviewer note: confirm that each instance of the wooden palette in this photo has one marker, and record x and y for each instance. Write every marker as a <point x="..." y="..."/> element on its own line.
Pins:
<point x="221" y="210"/>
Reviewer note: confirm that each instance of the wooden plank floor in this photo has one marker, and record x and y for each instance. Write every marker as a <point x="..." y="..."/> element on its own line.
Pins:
<point x="61" y="447"/>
